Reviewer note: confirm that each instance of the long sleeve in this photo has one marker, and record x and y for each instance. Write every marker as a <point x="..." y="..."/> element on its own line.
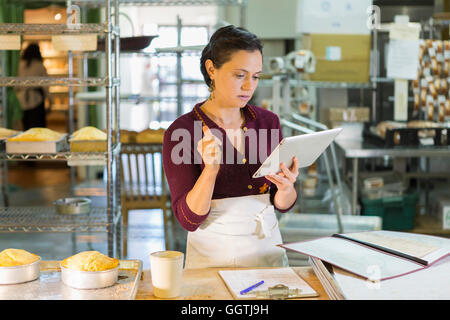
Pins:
<point x="181" y="178"/>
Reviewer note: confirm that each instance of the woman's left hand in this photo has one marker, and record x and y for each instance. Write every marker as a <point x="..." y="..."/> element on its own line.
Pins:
<point x="285" y="179"/>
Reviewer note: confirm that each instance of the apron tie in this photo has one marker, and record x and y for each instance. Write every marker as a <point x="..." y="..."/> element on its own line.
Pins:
<point x="264" y="230"/>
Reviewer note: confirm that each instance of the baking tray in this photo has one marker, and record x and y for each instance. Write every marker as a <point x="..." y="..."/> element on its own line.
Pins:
<point x="50" y="287"/>
<point x="4" y="139"/>
<point x="88" y="146"/>
<point x="408" y="137"/>
<point x="27" y="147"/>
<point x="129" y="44"/>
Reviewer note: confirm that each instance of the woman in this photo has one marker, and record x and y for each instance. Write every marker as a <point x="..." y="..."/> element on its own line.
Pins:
<point x="229" y="215"/>
<point x="32" y="99"/>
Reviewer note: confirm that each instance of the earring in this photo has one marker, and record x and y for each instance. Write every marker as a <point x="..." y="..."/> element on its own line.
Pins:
<point x="211" y="90"/>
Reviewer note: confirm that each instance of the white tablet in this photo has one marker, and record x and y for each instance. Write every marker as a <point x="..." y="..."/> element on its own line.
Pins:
<point x="306" y="147"/>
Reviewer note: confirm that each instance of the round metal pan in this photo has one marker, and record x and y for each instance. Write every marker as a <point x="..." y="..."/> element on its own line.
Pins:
<point x="20" y="274"/>
<point x="73" y="205"/>
<point x="89" y="279"/>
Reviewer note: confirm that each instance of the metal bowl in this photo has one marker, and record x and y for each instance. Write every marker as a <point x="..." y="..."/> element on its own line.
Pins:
<point x="73" y="205"/>
<point x="20" y="274"/>
<point x="129" y="44"/>
<point x="89" y="279"/>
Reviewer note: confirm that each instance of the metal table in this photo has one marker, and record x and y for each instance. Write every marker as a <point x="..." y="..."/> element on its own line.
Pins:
<point x="356" y="149"/>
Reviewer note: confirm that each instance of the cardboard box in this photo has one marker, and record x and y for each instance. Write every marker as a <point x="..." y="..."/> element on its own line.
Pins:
<point x="351" y="114"/>
<point x="342" y="58"/>
<point x="351" y="130"/>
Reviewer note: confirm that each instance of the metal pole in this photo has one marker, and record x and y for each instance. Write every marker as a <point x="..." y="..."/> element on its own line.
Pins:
<point x="4" y="162"/>
<point x="286" y="97"/>
<point x="179" y="73"/>
<point x="355" y="186"/>
<point x="276" y="90"/>
<point x="108" y="31"/>
<point x="71" y="113"/>
<point x="117" y="128"/>
<point x="374" y="74"/>
<point x="243" y="12"/>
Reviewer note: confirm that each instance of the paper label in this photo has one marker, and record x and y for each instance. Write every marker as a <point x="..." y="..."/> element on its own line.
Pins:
<point x="10" y="42"/>
<point x="84" y="42"/>
<point x="426" y="141"/>
<point x="404" y="31"/>
<point x="333" y="53"/>
<point x="403" y="59"/>
<point x="447" y="54"/>
<point x="431" y="52"/>
<point x="446" y="217"/>
<point x="401" y="100"/>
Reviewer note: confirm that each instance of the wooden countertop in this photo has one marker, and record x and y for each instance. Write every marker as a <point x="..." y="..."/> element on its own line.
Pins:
<point x="206" y="284"/>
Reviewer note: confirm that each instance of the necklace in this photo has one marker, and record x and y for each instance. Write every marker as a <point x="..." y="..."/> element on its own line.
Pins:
<point x="219" y="121"/>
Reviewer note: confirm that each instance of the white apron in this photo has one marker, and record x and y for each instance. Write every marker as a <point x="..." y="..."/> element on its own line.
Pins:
<point x="239" y="232"/>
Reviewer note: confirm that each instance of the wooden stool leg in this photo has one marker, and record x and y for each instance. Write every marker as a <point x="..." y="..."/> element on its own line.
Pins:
<point x="166" y="229"/>
<point x="125" y="231"/>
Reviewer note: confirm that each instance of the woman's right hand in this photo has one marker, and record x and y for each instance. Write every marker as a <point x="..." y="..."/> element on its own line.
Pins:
<point x="209" y="148"/>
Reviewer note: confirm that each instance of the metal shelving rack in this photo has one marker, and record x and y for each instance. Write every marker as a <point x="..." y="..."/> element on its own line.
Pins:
<point x="33" y="219"/>
<point x="179" y="50"/>
<point x="281" y="85"/>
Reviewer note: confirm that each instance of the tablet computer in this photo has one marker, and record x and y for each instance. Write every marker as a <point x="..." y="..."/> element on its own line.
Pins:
<point x="306" y="147"/>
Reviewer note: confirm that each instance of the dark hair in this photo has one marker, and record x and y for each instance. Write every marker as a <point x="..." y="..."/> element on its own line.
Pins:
<point x="32" y="52"/>
<point x="223" y="43"/>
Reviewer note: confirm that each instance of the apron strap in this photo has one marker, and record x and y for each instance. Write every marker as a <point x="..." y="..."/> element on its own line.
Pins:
<point x="264" y="229"/>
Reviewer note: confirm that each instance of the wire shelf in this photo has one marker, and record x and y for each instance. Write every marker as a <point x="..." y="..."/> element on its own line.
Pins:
<point x="96" y="3"/>
<point x="89" y="98"/>
<point x="21" y="28"/>
<point x="46" y="219"/>
<point x="73" y="158"/>
<point x="331" y="84"/>
<point x="53" y="81"/>
<point x="319" y="84"/>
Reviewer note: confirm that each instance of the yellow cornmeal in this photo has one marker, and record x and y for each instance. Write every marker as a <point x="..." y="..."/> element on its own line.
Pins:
<point x="16" y="257"/>
<point x="4" y="132"/>
<point x="37" y="134"/>
<point x="88" y="133"/>
<point x="90" y="261"/>
<point x="150" y="136"/>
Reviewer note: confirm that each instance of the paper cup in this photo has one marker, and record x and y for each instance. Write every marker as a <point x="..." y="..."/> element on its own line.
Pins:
<point x="166" y="270"/>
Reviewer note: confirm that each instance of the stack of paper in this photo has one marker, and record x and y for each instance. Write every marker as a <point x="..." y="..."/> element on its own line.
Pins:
<point x="380" y="265"/>
<point x="324" y="272"/>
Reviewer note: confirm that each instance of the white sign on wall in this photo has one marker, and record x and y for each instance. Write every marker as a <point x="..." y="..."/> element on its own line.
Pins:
<point x="333" y="16"/>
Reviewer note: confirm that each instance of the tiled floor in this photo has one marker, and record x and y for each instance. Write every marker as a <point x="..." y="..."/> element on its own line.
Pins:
<point x="145" y="229"/>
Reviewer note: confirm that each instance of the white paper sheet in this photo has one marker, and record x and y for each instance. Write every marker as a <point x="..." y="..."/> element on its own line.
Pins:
<point x="238" y="280"/>
<point x="432" y="283"/>
<point x="403" y="59"/>
<point x="350" y="256"/>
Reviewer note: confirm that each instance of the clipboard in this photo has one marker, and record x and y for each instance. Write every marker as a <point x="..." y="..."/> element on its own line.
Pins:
<point x="279" y="283"/>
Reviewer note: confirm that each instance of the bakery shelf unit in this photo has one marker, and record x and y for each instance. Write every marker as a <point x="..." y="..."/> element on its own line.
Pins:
<point x="106" y="219"/>
<point x="180" y="51"/>
<point x="283" y="85"/>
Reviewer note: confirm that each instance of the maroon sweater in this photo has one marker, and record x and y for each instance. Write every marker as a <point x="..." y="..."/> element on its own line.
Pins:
<point x="183" y="164"/>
